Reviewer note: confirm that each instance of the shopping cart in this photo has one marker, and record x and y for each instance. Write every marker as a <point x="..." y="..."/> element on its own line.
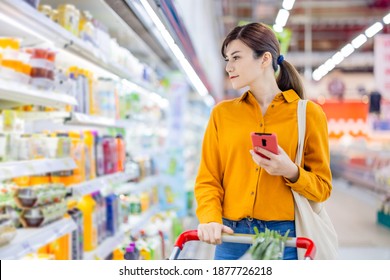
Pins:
<point x="192" y="235"/>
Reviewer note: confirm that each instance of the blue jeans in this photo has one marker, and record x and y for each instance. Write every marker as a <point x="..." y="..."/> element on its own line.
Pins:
<point x="233" y="251"/>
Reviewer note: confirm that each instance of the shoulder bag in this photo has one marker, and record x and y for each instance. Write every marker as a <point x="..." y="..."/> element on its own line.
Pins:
<point x="311" y="219"/>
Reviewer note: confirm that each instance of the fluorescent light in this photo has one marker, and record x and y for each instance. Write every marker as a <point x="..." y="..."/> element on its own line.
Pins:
<point x="317" y="75"/>
<point x="386" y="19"/>
<point x="282" y="17"/>
<point x="329" y="65"/>
<point x="359" y="41"/>
<point x="347" y="50"/>
<point x="278" y="28"/>
<point x="337" y="58"/>
<point x="288" y="4"/>
<point x="193" y="77"/>
<point x="373" y="29"/>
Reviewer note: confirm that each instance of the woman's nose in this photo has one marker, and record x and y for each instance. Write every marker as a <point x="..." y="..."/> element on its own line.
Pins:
<point x="228" y="68"/>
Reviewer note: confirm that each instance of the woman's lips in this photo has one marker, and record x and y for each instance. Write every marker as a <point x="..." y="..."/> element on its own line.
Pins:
<point x="232" y="77"/>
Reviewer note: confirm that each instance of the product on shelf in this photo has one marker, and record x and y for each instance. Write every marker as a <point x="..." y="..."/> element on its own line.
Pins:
<point x="42" y="215"/>
<point x="87" y="206"/>
<point x="7" y="229"/>
<point x="77" y="242"/>
<point x="113" y="214"/>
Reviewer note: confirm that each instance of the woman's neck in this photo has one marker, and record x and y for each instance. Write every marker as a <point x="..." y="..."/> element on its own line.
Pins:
<point x="264" y="94"/>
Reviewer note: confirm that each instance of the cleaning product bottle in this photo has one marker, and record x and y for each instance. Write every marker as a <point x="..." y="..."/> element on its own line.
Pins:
<point x="87" y="206"/>
<point x="131" y="252"/>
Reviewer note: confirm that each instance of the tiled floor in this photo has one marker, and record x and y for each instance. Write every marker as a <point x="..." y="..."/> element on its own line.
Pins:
<point x="353" y="211"/>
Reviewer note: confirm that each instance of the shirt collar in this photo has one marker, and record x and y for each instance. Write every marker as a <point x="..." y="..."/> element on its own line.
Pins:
<point x="289" y="95"/>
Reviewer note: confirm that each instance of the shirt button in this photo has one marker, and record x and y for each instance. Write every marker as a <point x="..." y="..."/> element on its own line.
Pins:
<point x="261" y="125"/>
<point x="252" y="193"/>
<point x="272" y="105"/>
<point x="257" y="169"/>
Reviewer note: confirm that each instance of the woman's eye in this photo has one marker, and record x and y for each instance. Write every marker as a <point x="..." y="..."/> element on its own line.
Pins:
<point x="235" y="57"/>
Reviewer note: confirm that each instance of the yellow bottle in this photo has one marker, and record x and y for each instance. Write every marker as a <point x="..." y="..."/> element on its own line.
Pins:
<point x="87" y="206"/>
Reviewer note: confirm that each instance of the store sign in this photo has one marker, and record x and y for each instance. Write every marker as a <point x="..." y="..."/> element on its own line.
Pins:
<point x="382" y="64"/>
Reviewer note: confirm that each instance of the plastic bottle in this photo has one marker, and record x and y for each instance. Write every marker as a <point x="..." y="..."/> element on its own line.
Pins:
<point x="87" y="205"/>
<point x="121" y="151"/>
<point x="131" y="252"/>
<point x="112" y="214"/>
<point x="99" y="154"/>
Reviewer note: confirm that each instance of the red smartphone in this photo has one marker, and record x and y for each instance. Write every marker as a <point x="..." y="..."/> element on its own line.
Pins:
<point x="266" y="141"/>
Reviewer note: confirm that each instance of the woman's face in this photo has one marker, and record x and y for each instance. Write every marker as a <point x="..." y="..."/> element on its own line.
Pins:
<point x="242" y="67"/>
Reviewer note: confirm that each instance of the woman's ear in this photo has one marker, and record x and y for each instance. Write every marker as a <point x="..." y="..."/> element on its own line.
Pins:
<point x="266" y="59"/>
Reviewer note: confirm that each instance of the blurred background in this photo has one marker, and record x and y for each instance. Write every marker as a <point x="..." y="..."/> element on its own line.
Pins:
<point x="104" y="104"/>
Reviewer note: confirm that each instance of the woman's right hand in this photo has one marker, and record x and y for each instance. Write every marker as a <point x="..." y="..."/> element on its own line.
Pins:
<point x="211" y="233"/>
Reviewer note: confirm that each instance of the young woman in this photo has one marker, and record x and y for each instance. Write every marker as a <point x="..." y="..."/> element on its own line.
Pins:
<point x="236" y="189"/>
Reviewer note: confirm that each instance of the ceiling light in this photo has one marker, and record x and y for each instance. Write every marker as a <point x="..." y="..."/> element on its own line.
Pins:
<point x="373" y="29"/>
<point x="278" y="28"/>
<point x="329" y="65"/>
<point x="386" y="19"/>
<point x="359" y="41"/>
<point x="317" y="75"/>
<point x="193" y="77"/>
<point x="288" y="4"/>
<point x="282" y="17"/>
<point x="337" y="58"/>
<point x="347" y="50"/>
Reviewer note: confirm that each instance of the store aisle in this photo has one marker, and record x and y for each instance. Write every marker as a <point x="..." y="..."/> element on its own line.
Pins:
<point x="353" y="211"/>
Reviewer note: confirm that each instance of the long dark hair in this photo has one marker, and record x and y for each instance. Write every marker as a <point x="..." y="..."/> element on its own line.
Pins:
<point x="260" y="38"/>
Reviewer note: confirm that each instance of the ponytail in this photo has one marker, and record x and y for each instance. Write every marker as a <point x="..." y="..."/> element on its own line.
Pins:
<point x="289" y="78"/>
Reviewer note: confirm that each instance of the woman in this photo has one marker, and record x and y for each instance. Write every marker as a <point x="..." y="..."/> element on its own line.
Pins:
<point x="236" y="189"/>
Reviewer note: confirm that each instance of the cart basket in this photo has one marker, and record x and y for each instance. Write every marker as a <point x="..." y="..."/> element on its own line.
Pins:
<point x="192" y="235"/>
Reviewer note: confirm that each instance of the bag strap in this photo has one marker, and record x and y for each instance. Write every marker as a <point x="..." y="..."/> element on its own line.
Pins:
<point x="301" y="115"/>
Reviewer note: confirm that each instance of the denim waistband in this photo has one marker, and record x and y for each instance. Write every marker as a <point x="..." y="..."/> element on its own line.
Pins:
<point x="260" y="224"/>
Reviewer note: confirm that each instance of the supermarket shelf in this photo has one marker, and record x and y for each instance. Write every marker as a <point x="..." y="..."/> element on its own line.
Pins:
<point x="36" y="116"/>
<point x="137" y="223"/>
<point x="361" y="176"/>
<point x="13" y="94"/>
<point x="89" y="120"/>
<point x="43" y="29"/>
<point x="28" y="240"/>
<point x="104" y="249"/>
<point x="101" y="182"/>
<point x="108" y="245"/>
<point x="14" y="169"/>
<point x="135" y="187"/>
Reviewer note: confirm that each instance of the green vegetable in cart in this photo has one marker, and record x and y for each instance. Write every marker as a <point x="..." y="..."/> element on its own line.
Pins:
<point x="268" y="245"/>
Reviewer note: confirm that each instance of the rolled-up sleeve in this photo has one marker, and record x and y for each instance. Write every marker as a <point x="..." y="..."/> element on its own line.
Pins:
<point x="315" y="177"/>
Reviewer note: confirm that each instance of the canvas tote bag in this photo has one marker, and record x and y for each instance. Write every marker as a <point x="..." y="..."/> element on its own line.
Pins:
<point x="311" y="219"/>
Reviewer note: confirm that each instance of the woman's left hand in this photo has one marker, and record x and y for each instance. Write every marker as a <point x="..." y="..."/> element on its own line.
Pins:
<point x="278" y="164"/>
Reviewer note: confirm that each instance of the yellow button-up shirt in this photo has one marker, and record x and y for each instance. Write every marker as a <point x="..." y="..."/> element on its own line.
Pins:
<point x="230" y="185"/>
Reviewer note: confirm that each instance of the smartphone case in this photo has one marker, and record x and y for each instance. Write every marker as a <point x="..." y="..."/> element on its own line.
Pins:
<point x="266" y="141"/>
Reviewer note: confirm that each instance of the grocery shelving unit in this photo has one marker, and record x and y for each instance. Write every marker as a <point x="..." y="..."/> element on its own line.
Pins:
<point x="29" y="240"/>
<point x="9" y="170"/>
<point x="20" y="19"/>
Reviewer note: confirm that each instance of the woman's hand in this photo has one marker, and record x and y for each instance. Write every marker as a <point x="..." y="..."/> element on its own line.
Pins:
<point x="279" y="164"/>
<point x="212" y="232"/>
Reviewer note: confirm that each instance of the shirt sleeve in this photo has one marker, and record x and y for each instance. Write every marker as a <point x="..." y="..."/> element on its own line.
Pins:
<point x="315" y="177"/>
<point x="208" y="185"/>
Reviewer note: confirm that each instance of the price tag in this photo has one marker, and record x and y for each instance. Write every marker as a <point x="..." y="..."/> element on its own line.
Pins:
<point x="57" y="232"/>
<point x="26" y="246"/>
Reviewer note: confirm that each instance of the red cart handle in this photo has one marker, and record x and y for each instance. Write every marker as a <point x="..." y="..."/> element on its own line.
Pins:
<point x="192" y="235"/>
